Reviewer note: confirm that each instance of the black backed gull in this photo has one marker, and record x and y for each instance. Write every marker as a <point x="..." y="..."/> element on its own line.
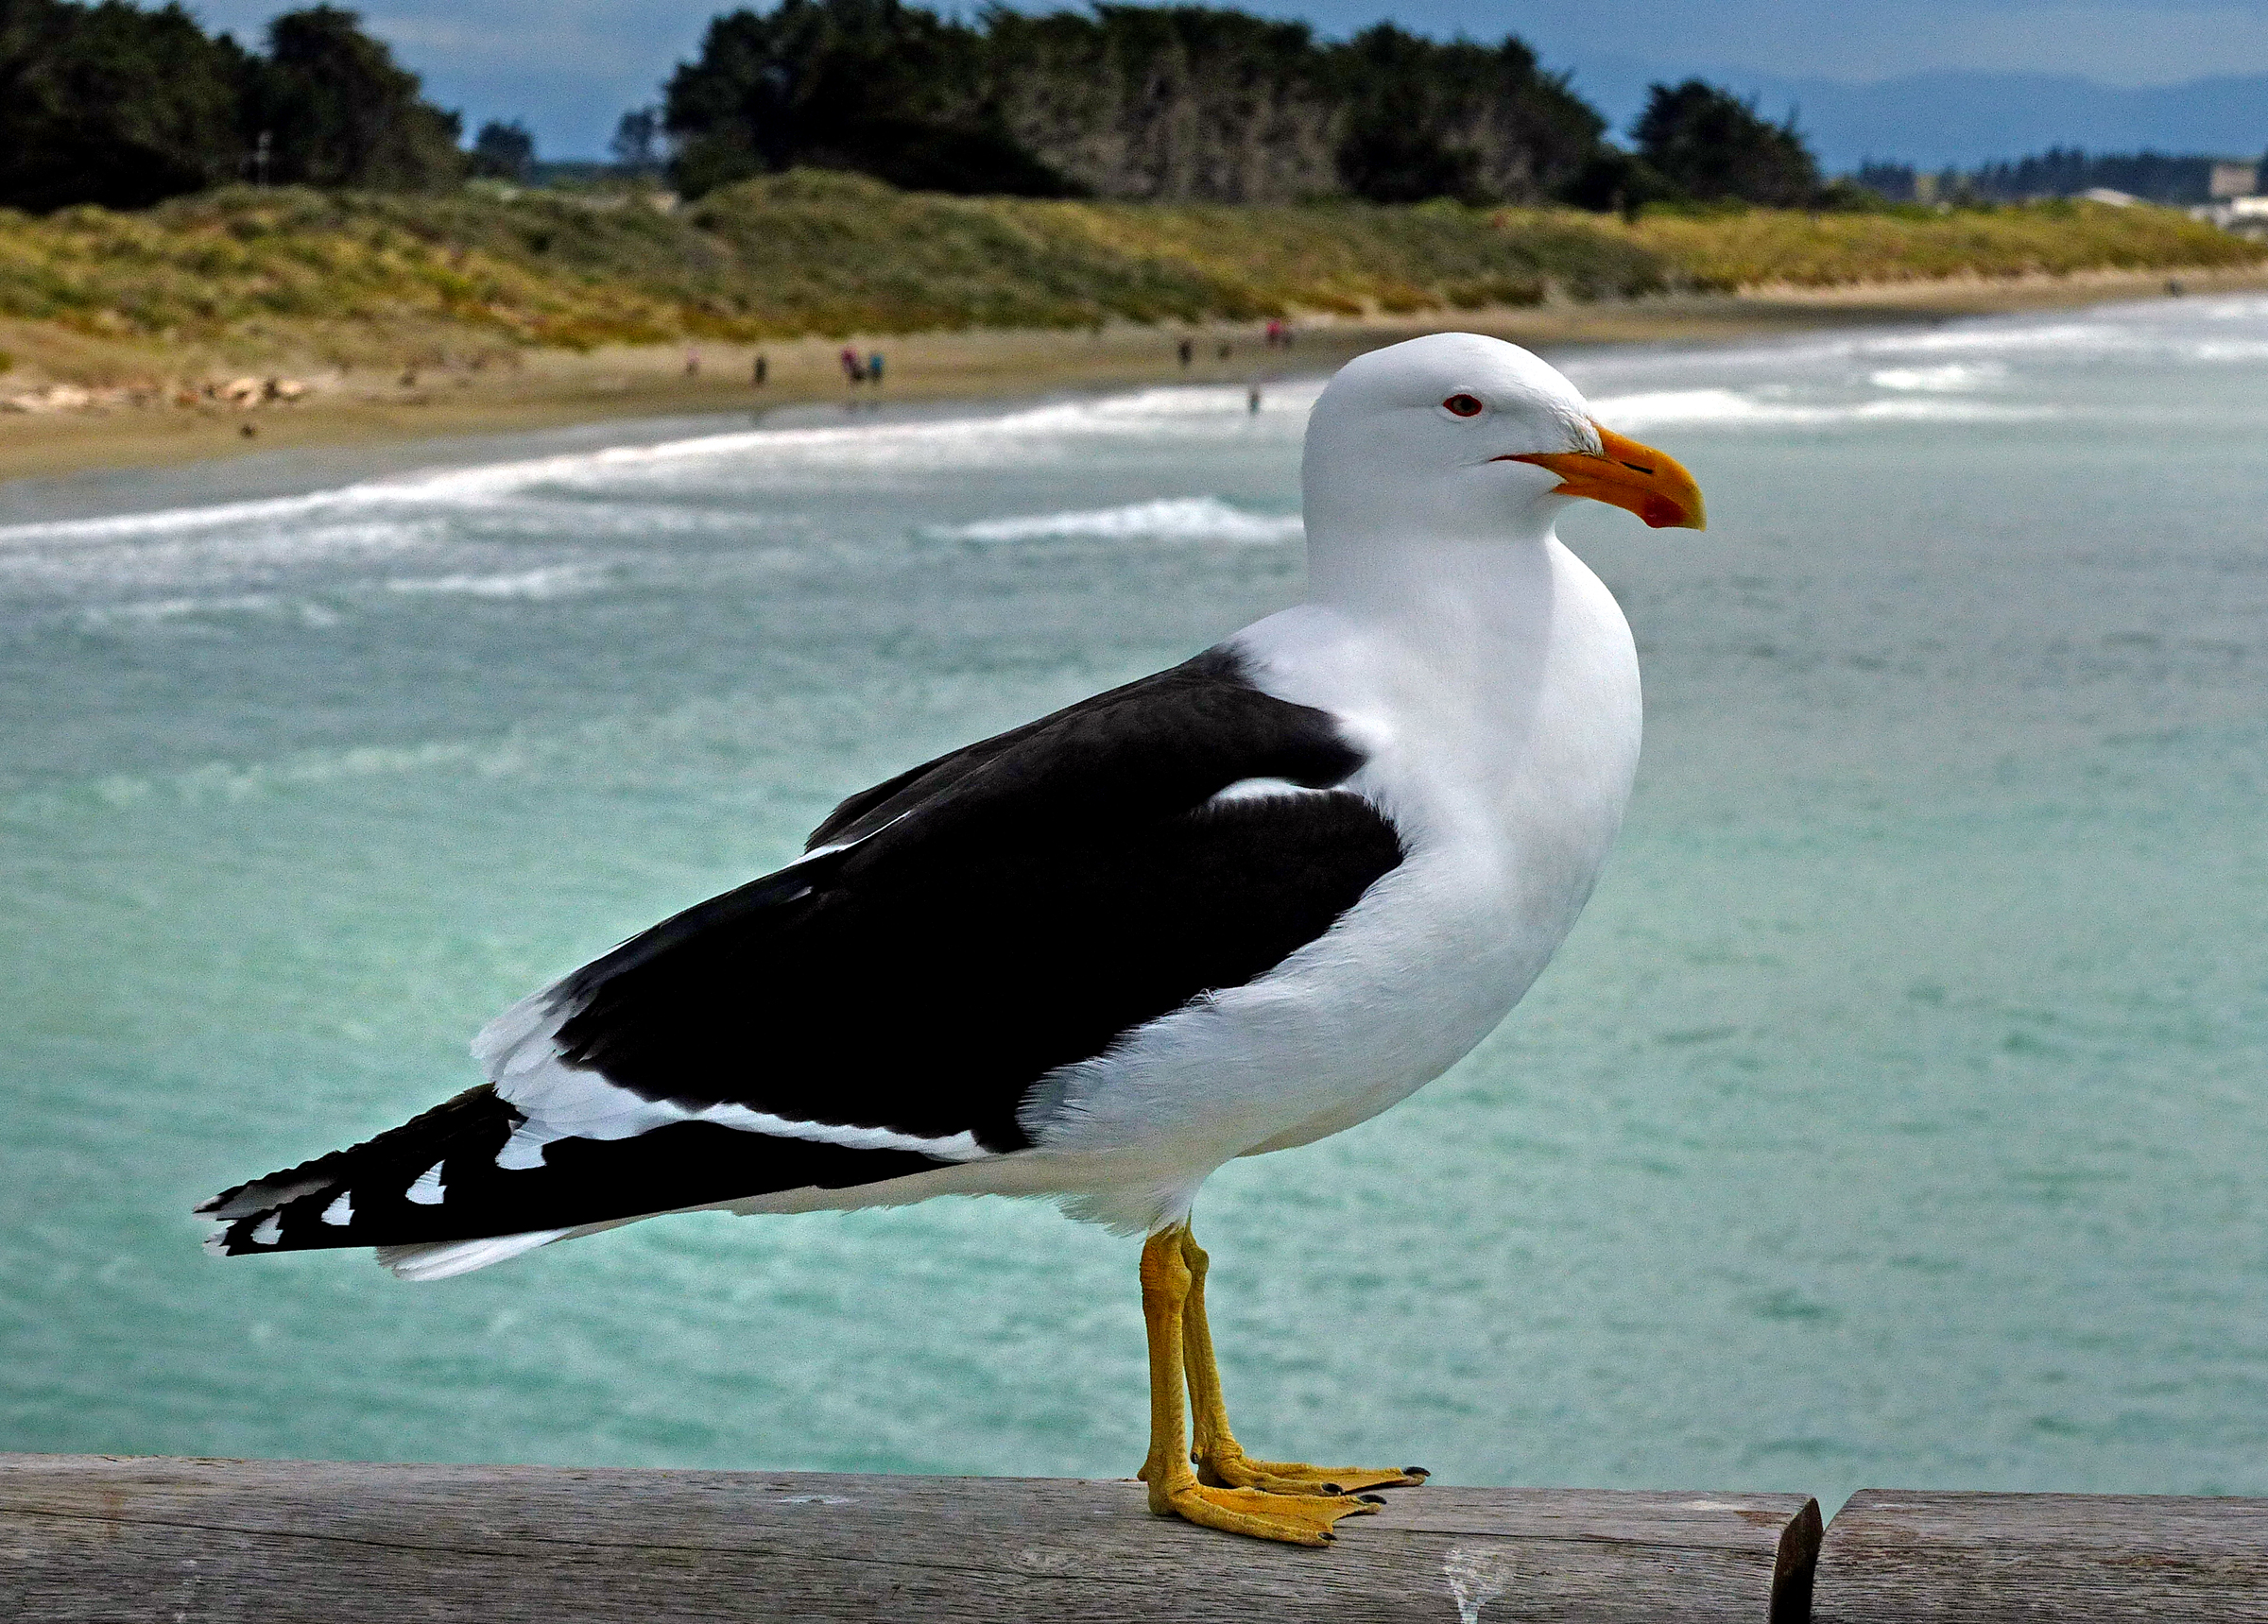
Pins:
<point x="1229" y="908"/>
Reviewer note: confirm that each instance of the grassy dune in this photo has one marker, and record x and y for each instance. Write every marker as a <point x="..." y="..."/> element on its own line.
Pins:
<point x="1779" y="247"/>
<point x="795" y="255"/>
<point x="365" y="276"/>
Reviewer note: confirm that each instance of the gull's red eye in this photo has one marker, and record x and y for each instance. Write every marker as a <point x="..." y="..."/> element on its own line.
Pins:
<point x="1464" y="405"/>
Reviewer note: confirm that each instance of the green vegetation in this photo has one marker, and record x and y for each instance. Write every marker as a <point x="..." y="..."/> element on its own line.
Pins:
<point x="2179" y="178"/>
<point x="1742" y="248"/>
<point x="106" y="102"/>
<point x="348" y="274"/>
<point x="328" y="107"/>
<point x="803" y="252"/>
<point x="504" y="151"/>
<point x="110" y="104"/>
<point x="1184" y="103"/>
<point x="1709" y="145"/>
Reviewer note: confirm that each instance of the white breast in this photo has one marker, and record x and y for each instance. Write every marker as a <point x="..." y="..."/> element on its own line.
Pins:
<point x="1504" y="759"/>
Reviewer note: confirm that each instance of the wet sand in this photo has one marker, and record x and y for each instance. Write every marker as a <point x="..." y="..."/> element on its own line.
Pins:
<point x="543" y="389"/>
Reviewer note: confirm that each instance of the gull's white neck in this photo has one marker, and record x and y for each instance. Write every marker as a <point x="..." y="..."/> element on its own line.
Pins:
<point x="1440" y="597"/>
<point x="1484" y="675"/>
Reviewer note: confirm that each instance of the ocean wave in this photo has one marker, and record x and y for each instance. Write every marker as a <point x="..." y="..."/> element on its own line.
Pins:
<point x="1173" y="518"/>
<point x="184" y="612"/>
<point x="173" y="612"/>
<point x="2142" y="332"/>
<point x="1952" y="378"/>
<point x="235" y="781"/>
<point x="2161" y="328"/>
<point x="1730" y="408"/>
<point x="2060" y="337"/>
<point x="560" y="581"/>
<point x="1010" y="439"/>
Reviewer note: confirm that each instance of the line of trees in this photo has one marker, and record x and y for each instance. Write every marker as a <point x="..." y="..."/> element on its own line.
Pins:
<point x="1126" y="101"/>
<point x="115" y="104"/>
<point x="112" y="104"/>
<point x="1697" y="144"/>
<point x="2059" y="172"/>
<point x="1188" y="103"/>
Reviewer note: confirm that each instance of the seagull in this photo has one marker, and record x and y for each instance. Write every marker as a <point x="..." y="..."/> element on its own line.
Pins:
<point x="1226" y="908"/>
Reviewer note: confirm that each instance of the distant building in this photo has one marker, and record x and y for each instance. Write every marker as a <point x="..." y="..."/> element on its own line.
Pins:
<point x="2191" y="181"/>
<point x="2234" y="179"/>
<point x="2245" y="216"/>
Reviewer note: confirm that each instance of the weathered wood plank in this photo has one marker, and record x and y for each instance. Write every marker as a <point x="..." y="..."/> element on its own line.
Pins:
<point x="1891" y="1557"/>
<point x="96" y="1539"/>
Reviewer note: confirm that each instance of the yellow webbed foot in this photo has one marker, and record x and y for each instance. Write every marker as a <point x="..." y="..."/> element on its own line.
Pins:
<point x="1293" y="1519"/>
<point x="1232" y="1468"/>
<point x="1264" y="1499"/>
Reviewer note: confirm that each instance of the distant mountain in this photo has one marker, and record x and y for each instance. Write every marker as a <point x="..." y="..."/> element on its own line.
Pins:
<point x="1936" y="119"/>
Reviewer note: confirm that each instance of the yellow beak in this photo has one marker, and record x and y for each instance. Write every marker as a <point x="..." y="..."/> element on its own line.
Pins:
<point x="1650" y="484"/>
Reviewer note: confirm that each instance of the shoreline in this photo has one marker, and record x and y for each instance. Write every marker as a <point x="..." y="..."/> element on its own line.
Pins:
<point x="547" y="390"/>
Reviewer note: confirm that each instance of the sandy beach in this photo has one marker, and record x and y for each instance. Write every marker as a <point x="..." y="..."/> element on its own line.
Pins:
<point x="549" y="388"/>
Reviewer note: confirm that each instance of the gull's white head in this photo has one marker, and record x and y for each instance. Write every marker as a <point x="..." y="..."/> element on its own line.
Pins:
<point x="1463" y="439"/>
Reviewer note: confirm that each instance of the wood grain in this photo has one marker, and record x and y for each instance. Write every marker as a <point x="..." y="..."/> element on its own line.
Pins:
<point x="201" y="1542"/>
<point x="1907" y="1556"/>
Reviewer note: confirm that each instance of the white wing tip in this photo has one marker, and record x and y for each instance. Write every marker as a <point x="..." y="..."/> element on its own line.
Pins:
<point x="440" y="1260"/>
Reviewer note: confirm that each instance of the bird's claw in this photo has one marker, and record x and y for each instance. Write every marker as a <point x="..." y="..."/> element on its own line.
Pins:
<point x="1234" y="1468"/>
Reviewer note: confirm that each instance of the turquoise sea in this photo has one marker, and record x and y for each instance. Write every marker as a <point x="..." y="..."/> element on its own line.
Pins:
<point x="1898" y="1115"/>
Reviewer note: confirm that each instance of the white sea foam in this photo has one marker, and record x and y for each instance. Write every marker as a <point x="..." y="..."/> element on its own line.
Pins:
<point x="1731" y="408"/>
<point x="142" y="614"/>
<point x="151" y="609"/>
<point x="1050" y="430"/>
<point x="565" y="580"/>
<point x="1909" y="410"/>
<point x="2139" y="333"/>
<point x="2157" y="329"/>
<point x="1173" y="519"/>
<point x="1952" y="378"/>
<point x="2060" y="337"/>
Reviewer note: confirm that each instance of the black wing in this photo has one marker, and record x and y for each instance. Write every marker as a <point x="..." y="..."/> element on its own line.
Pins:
<point x="1004" y="910"/>
<point x="1016" y="906"/>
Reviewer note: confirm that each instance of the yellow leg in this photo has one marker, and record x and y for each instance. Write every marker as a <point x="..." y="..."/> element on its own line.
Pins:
<point x="1220" y="1459"/>
<point x="1297" y="1519"/>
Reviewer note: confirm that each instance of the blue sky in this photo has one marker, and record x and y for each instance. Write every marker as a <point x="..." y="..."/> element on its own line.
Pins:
<point x="570" y="67"/>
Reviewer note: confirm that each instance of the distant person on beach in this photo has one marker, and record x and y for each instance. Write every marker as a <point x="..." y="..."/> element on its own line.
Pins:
<point x="1186" y="350"/>
<point x="693" y="362"/>
<point x="761" y="371"/>
<point x="852" y="371"/>
<point x="874" y="368"/>
<point x="1275" y="333"/>
<point x="1225" y="349"/>
<point x="1252" y="400"/>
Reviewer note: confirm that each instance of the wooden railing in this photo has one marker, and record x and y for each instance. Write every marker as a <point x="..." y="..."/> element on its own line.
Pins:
<point x="268" y="1542"/>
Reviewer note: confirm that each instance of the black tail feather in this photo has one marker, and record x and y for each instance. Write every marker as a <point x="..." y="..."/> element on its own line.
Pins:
<point x="300" y="1208"/>
<point x="435" y="1178"/>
